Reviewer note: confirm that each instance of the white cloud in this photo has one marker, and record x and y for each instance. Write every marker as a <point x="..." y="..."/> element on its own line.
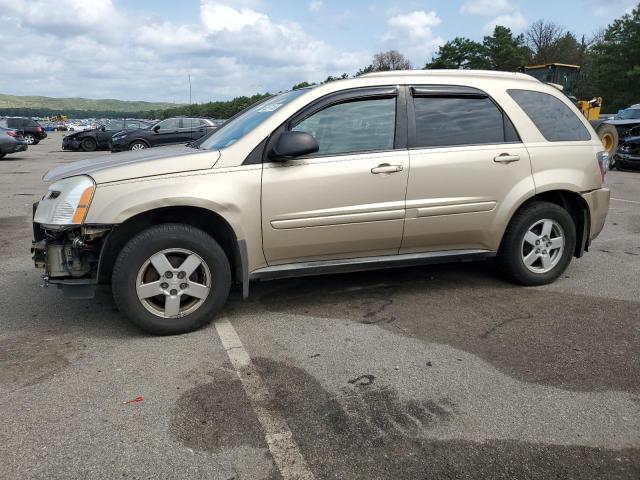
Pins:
<point x="315" y="6"/>
<point x="486" y="7"/>
<point x="232" y="48"/>
<point x="515" y="21"/>
<point x="217" y="17"/>
<point x="412" y="34"/>
<point x="504" y="13"/>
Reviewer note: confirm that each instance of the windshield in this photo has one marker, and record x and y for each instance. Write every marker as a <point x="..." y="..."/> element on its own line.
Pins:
<point x="629" y="113"/>
<point x="237" y="128"/>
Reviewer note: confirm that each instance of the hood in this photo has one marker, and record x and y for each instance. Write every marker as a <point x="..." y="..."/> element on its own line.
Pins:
<point x="634" y="140"/>
<point x="619" y="121"/>
<point x="137" y="164"/>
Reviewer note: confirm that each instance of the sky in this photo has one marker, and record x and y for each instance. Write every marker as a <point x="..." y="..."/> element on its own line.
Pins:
<point x="146" y="50"/>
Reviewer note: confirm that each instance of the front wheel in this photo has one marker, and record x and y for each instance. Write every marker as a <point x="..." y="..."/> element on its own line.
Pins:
<point x="137" y="146"/>
<point x="538" y="244"/>
<point x="171" y="278"/>
<point x="88" y="144"/>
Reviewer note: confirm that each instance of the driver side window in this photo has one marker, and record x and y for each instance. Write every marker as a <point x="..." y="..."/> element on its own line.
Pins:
<point x="169" y="124"/>
<point x="356" y="126"/>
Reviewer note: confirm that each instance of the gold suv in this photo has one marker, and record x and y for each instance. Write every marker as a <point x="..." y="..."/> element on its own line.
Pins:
<point x="388" y="169"/>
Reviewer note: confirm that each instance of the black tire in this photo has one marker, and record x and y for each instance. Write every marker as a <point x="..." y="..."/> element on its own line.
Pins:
<point x="29" y="138"/>
<point x="138" y="145"/>
<point x="510" y="257"/>
<point x="2" y="155"/>
<point x="88" y="144"/>
<point x="156" y="239"/>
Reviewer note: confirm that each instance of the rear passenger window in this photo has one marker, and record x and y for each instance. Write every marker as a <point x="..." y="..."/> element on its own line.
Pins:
<point x="555" y="120"/>
<point x="449" y="121"/>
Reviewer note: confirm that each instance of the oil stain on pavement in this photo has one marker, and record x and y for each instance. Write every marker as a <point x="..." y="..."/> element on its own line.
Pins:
<point x="570" y="341"/>
<point x="28" y="358"/>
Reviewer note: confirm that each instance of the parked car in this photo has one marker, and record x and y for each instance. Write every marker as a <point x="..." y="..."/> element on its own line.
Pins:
<point x="32" y="131"/>
<point x="11" y="141"/>
<point x="165" y="132"/>
<point x="628" y="153"/>
<point x="100" y="138"/>
<point x="384" y="170"/>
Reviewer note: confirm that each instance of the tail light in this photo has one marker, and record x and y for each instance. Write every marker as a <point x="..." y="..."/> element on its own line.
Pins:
<point x="11" y="133"/>
<point x="603" y="163"/>
<point x="39" y="129"/>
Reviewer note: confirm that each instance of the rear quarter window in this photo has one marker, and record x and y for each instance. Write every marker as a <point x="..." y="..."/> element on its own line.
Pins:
<point x="555" y="120"/>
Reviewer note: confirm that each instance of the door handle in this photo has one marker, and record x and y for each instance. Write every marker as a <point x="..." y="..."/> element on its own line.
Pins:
<point x="506" y="158"/>
<point x="386" y="168"/>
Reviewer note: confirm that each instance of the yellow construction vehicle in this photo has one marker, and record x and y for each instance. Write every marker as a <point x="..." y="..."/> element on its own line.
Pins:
<point x="565" y="77"/>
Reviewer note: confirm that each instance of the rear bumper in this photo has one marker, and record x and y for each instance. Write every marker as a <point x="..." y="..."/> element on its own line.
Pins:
<point x="598" y="202"/>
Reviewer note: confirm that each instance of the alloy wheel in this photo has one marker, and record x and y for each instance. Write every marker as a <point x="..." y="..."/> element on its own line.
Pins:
<point x="542" y="246"/>
<point x="173" y="283"/>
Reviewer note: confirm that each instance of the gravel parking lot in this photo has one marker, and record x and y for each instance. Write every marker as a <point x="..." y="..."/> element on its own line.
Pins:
<point x="432" y="372"/>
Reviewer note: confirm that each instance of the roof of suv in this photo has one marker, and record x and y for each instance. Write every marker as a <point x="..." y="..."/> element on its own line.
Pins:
<point x="455" y="73"/>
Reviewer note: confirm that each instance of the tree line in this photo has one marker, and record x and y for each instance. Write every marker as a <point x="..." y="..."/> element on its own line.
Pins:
<point x="609" y="61"/>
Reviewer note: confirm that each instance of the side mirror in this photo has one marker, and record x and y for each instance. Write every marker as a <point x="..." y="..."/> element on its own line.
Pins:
<point x="156" y="128"/>
<point x="293" y="144"/>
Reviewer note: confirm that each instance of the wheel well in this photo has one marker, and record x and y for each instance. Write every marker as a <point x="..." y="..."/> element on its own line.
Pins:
<point x="141" y="140"/>
<point x="573" y="203"/>
<point x="206" y="220"/>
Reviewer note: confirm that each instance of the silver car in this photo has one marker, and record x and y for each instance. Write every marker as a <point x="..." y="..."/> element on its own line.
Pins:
<point x="11" y="141"/>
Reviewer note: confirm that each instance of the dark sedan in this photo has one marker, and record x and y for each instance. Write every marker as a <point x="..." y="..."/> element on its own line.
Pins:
<point x="100" y="138"/>
<point x="628" y="154"/>
<point x="11" y="141"/>
<point x="165" y="132"/>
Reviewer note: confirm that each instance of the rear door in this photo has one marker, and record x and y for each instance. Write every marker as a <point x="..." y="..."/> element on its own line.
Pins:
<point x="468" y="167"/>
<point x="347" y="200"/>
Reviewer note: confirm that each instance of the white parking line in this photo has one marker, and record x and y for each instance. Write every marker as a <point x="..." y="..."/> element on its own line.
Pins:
<point x="626" y="201"/>
<point x="286" y="453"/>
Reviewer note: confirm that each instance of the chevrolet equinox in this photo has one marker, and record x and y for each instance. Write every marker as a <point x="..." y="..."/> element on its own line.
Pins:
<point x="387" y="169"/>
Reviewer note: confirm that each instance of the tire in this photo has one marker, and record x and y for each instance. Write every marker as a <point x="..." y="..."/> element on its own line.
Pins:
<point x="88" y="144"/>
<point x="138" y="145"/>
<point x="608" y="135"/>
<point x="173" y="242"/>
<point x="2" y="155"/>
<point x="546" y="263"/>
<point x="29" y="138"/>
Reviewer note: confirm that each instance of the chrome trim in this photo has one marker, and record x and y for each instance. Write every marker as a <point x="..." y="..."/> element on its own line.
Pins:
<point x="321" y="267"/>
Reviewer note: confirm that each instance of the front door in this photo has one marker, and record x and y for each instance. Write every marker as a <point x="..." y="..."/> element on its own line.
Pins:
<point x="345" y="201"/>
<point x="168" y="132"/>
<point x="468" y="168"/>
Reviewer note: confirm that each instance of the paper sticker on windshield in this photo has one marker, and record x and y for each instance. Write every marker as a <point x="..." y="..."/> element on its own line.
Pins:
<point x="270" y="108"/>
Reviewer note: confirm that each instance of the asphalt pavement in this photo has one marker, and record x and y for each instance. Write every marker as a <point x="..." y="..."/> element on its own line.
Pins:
<point x="434" y="372"/>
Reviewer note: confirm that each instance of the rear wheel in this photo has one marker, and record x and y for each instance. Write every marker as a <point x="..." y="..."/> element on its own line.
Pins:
<point x="29" y="138"/>
<point x="88" y="144"/>
<point x="137" y="145"/>
<point x="171" y="278"/>
<point x="538" y="244"/>
<point x="2" y="155"/>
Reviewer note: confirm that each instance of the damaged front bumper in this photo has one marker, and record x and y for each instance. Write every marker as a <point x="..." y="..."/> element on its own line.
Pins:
<point x="70" y="257"/>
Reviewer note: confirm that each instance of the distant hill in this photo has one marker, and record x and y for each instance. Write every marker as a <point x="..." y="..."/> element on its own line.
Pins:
<point x="45" y="106"/>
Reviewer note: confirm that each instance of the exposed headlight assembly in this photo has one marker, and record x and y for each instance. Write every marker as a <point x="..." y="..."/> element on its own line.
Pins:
<point x="66" y="202"/>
